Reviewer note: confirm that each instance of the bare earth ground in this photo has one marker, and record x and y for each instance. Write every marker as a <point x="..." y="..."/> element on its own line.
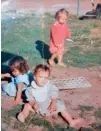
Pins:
<point x="85" y="5"/>
<point x="75" y="97"/>
<point x="71" y="5"/>
<point x="96" y="32"/>
<point x="88" y="96"/>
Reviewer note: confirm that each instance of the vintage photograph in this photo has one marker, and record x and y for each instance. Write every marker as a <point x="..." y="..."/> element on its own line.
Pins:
<point x="50" y="65"/>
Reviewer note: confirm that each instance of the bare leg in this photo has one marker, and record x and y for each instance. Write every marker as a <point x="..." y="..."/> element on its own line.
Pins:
<point x="60" y="59"/>
<point x="25" y="112"/>
<point x="93" y="4"/>
<point x="68" y="118"/>
<point x="51" y="60"/>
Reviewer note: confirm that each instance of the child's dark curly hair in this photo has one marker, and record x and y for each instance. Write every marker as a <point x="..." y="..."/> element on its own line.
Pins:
<point x="19" y="63"/>
<point x="41" y="67"/>
<point x="60" y="12"/>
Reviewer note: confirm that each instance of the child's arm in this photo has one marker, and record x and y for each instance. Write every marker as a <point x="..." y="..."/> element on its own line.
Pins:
<point x="5" y="75"/>
<point x="19" y="93"/>
<point x="31" y="98"/>
<point x="68" y="34"/>
<point x="54" y="35"/>
<point x="54" y="96"/>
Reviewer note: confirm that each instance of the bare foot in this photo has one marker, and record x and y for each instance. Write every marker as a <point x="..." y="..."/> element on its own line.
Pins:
<point x="51" y="62"/>
<point x="62" y="64"/>
<point x="86" y="123"/>
<point x="55" y="116"/>
<point x="77" y="122"/>
<point x="20" y="117"/>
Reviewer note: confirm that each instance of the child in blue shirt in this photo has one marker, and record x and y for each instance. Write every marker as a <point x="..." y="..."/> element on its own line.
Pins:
<point x="20" y="81"/>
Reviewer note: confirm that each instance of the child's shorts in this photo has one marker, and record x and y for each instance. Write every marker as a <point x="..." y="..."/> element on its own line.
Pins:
<point x="59" y="105"/>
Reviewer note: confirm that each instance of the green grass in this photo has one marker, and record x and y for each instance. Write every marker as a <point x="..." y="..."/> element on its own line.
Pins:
<point x="98" y="113"/>
<point x="20" y="126"/>
<point x="86" y="129"/>
<point x="40" y="122"/>
<point x="36" y="120"/>
<point x="3" y="129"/>
<point x="86" y="111"/>
<point x="75" y="58"/>
<point x="24" y="36"/>
<point x="21" y="37"/>
<point x="63" y="128"/>
<point x="97" y="126"/>
<point x="13" y="112"/>
<point x="5" y="117"/>
<point x="86" y="108"/>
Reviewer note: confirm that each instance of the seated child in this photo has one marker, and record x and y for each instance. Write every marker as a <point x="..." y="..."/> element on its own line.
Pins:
<point x="20" y="81"/>
<point x="43" y="98"/>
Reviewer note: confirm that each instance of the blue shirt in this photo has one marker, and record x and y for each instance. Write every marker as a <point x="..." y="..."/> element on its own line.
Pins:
<point x="22" y="78"/>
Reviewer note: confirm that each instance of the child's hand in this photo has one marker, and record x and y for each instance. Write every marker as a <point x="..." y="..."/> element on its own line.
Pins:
<point x="15" y="103"/>
<point x="5" y="75"/>
<point x="12" y="104"/>
<point x="52" y="107"/>
<point x="59" y="46"/>
<point x="69" y="40"/>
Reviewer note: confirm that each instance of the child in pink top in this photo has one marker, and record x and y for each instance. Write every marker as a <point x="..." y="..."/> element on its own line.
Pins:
<point x="58" y="33"/>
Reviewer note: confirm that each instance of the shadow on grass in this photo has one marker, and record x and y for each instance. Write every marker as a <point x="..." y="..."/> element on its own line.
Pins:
<point x="5" y="57"/>
<point x="43" y="49"/>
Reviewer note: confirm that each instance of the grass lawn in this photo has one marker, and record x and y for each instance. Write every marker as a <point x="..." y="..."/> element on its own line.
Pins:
<point x="36" y="120"/>
<point x="24" y="36"/>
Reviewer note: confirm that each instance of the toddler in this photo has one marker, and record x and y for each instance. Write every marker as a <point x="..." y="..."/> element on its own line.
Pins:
<point x="58" y="33"/>
<point x="19" y="80"/>
<point x="43" y="98"/>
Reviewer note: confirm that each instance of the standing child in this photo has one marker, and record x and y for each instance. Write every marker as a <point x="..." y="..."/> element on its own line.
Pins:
<point x="43" y="98"/>
<point x="58" y="33"/>
<point x="20" y="81"/>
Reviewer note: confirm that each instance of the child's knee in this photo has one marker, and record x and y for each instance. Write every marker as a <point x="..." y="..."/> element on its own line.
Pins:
<point x="28" y="107"/>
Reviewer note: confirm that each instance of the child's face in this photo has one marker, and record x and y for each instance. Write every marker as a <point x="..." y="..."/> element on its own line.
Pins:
<point x="16" y="72"/>
<point x="62" y="19"/>
<point x="41" y="77"/>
